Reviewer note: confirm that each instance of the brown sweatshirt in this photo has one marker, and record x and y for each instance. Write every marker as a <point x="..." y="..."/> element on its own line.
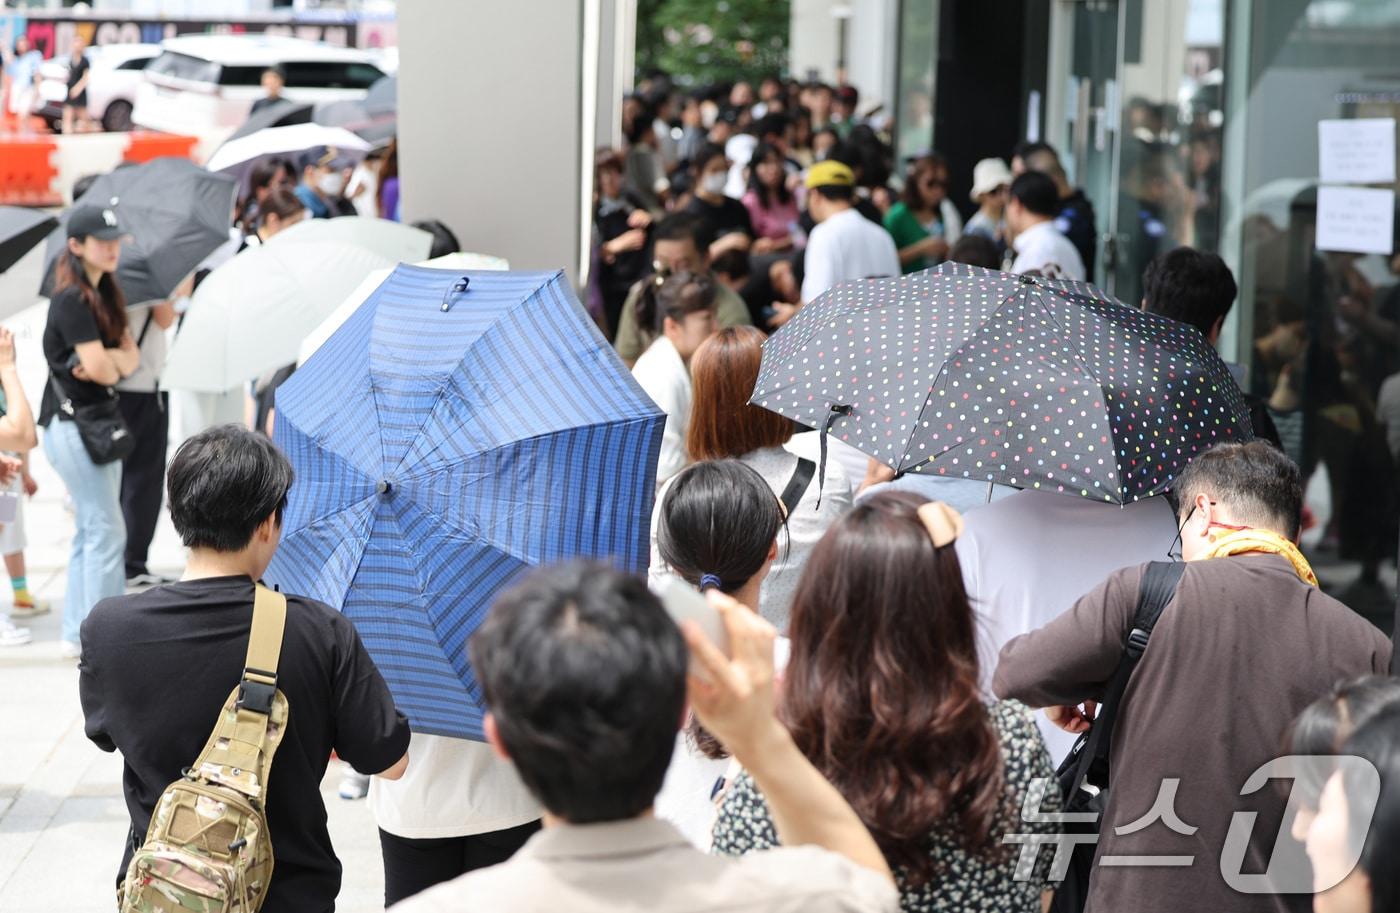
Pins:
<point x="1242" y="648"/>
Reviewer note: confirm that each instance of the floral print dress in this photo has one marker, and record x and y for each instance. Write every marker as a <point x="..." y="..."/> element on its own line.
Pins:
<point x="967" y="884"/>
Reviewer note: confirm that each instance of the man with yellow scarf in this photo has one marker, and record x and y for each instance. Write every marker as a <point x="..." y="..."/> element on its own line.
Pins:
<point x="1247" y="641"/>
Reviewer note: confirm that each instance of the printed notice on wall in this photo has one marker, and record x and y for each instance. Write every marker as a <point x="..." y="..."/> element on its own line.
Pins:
<point x="1360" y="151"/>
<point x="1355" y="219"/>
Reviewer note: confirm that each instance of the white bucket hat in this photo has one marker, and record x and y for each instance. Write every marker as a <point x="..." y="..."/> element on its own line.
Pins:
<point x="988" y="175"/>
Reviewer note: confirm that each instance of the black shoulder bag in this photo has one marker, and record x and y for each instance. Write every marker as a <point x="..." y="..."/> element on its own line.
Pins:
<point x="100" y="425"/>
<point x="1087" y="762"/>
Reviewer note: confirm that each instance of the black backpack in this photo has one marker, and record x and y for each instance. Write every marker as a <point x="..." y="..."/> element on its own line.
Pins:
<point x="1087" y="762"/>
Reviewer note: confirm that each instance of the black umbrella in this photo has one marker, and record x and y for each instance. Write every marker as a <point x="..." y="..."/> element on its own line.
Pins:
<point x="176" y="214"/>
<point x="280" y="113"/>
<point x="972" y="373"/>
<point x="21" y="230"/>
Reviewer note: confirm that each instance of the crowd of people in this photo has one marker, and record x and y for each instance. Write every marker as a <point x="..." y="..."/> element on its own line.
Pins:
<point x="866" y="733"/>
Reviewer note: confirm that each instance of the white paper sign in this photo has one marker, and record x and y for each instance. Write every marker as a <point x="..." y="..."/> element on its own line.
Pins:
<point x="1360" y="151"/>
<point x="1355" y="219"/>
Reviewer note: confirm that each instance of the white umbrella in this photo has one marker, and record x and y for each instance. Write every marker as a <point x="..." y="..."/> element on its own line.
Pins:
<point x="251" y="314"/>
<point x="237" y="156"/>
<point x="400" y="243"/>
<point x="461" y="261"/>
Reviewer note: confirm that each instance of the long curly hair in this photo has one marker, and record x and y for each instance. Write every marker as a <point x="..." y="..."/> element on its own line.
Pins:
<point x="881" y="692"/>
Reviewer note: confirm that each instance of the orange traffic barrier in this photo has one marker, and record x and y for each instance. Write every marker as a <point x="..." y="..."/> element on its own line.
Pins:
<point x="142" y="147"/>
<point x="27" y="172"/>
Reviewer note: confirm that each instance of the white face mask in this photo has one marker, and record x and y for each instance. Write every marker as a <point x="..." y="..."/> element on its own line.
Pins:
<point x="714" y="183"/>
<point x="331" y="183"/>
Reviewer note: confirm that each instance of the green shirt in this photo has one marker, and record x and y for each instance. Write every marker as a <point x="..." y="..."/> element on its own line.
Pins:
<point x="906" y="229"/>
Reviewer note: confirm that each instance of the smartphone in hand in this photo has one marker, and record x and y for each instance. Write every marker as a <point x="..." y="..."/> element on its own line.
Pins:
<point x="684" y="602"/>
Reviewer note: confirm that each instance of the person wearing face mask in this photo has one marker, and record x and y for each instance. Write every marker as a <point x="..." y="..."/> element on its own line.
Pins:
<point x="724" y="219"/>
<point x="322" y="181"/>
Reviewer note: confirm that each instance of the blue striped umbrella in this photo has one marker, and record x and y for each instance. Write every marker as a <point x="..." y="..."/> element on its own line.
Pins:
<point x="456" y="430"/>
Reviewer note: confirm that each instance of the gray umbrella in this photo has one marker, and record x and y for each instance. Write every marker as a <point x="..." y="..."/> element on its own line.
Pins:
<point x="176" y="214"/>
<point x="280" y="113"/>
<point x="21" y="230"/>
<point x="356" y="116"/>
<point x="383" y="96"/>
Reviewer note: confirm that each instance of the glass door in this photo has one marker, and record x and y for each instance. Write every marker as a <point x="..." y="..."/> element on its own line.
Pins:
<point x="1087" y="137"/>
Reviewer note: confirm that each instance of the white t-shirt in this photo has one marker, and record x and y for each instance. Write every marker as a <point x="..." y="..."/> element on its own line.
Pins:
<point x="1029" y="557"/>
<point x="1041" y="247"/>
<point x="666" y="379"/>
<point x="847" y="246"/>
<point x="452" y="788"/>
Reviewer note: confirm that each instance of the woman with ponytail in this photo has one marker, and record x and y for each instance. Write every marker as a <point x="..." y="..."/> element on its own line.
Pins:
<point x="88" y="347"/>
<point x="881" y="694"/>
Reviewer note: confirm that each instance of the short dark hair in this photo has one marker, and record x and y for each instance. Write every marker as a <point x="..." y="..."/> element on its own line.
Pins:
<point x="708" y="152"/>
<point x="444" y="241"/>
<point x="1036" y="192"/>
<point x="975" y="250"/>
<point x="1378" y="741"/>
<point x="683" y="226"/>
<point x="1027" y="148"/>
<point x="773" y="124"/>
<point x="841" y="193"/>
<point x="1189" y="285"/>
<point x="223" y="484"/>
<point x="277" y="70"/>
<point x="584" y="673"/>
<point x="1326" y="723"/>
<point x="1260" y="484"/>
<point x="733" y="263"/>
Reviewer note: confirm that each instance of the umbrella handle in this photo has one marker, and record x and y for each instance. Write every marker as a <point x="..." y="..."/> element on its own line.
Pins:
<point x="837" y="409"/>
<point x="456" y="288"/>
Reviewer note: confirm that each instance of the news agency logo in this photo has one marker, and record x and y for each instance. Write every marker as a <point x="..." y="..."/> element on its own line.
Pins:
<point x="1279" y="878"/>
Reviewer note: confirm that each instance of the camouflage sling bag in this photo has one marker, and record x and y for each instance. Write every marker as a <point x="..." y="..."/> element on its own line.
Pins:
<point x="207" y="849"/>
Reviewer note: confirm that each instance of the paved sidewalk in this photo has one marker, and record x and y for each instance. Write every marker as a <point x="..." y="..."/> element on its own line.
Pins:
<point x="62" y="819"/>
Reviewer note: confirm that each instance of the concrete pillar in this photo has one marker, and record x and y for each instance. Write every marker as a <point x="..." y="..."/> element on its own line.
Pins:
<point x="812" y="39"/>
<point x="499" y="112"/>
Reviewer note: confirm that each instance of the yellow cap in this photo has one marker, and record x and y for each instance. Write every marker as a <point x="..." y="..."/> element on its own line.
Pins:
<point x="828" y="173"/>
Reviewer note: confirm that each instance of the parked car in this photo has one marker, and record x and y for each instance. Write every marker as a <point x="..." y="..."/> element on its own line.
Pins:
<point x="116" y="75"/>
<point x="209" y="82"/>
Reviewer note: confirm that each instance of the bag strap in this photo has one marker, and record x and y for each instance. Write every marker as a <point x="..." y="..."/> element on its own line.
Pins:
<point x="145" y="328"/>
<point x="1156" y="590"/>
<point x="254" y="718"/>
<point x="797" y="485"/>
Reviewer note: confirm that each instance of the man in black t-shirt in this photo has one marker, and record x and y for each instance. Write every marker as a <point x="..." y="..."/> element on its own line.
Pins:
<point x="157" y="666"/>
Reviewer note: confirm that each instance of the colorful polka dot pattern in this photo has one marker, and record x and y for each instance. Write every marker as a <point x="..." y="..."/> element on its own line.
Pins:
<point x="1038" y="383"/>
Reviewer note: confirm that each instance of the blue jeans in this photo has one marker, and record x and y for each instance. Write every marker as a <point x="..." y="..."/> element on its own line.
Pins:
<point x="96" y="567"/>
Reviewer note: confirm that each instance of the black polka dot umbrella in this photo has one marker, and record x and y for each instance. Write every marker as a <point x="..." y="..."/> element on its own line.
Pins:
<point x="977" y="374"/>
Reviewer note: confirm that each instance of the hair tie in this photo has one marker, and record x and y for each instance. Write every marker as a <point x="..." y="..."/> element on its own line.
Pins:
<point x="944" y="524"/>
<point x="710" y="581"/>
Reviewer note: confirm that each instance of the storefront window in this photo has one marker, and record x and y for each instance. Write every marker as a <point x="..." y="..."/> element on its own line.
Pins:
<point x="1320" y="328"/>
<point x="918" y="47"/>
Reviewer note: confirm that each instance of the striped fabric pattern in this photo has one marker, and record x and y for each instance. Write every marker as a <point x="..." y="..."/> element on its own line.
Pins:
<point x="444" y="441"/>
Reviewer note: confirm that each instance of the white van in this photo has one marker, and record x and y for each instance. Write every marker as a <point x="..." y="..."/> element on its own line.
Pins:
<point x="201" y="83"/>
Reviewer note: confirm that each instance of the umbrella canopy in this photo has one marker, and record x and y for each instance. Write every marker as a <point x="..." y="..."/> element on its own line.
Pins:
<point x="21" y="230"/>
<point x="176" y="214"/>
<point x="444" y="440"/>
<point x="281" y="113"/>
<point x="237" y="157"/>
<point x="977" y="374"/>
<point x="398" y="242"/>
<point x="458" y="261"/>
<point x="383" y="96"/>
<point x="251" y="314"/>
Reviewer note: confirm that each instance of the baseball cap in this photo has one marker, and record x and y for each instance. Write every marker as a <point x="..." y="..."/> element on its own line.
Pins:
<point x="988" y="175"/>
<point x="99" y="222"/>
<point x="327" y="156"/>
<point x="830" y="173"/>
